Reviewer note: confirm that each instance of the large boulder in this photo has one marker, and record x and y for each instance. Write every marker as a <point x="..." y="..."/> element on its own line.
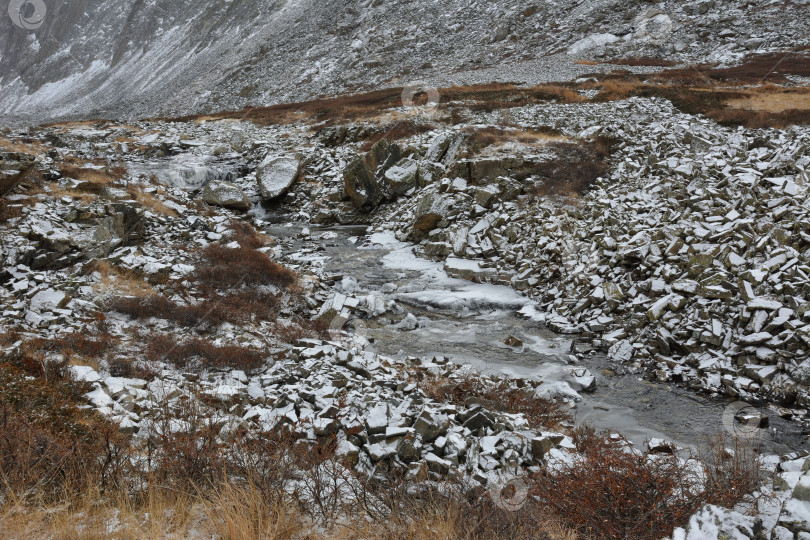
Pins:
<point x="364" y="177"/>
<point x="226" y="195"/>
<point x="431" y="209"/>
<point x="276" y="175"/>
<point x="444" y="147"/>
<point x="403" y="176"/>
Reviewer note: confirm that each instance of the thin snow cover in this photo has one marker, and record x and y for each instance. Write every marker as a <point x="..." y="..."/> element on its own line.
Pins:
<point x="436" y="289"/>
<point x="591" y="42"/>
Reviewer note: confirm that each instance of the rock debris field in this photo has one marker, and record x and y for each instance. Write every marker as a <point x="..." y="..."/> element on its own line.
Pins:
<point x="684" y="258"/>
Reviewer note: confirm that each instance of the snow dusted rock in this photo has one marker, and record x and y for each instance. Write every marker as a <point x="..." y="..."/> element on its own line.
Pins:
<point x="84" y="374"/>
<point x="716" y="523"/>
<point x="275" y="176"/>
<point x="226" y="195"/>
<point x="469" y="270"/>
<point x="48" y="300"/>
<point x="582" y="380"/>
<point x="403" y="176"/>
<point x="364" y="177"/>
<point x="431" y="209"/>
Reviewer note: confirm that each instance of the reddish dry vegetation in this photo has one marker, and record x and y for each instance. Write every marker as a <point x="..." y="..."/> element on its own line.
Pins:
<point x="642" y="61"/>
<point x="478" y="138"/>
<point x="371" y="104"/>
<point x="689" y="88"/>
<point x="201" y="353"/>
<point x="395" y="131"/>
<point x="612" y="493"/>
<point x="574" y="168"/>
<point x="49" y="444"/>
<point x="225" y="268"/>
<point x="737" y="96"/>
<point x="502" y="396"/>
<point x="55" y="451"/>
<point x="226" y="278"/>
<point x="236" y="308"/>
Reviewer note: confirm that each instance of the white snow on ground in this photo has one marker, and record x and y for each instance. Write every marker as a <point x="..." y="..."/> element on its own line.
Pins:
<point x="438" y="290"/>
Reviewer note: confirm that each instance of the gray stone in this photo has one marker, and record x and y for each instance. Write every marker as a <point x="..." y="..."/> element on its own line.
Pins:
<point x="276" y="175"/>
<point x="226" y="195"/>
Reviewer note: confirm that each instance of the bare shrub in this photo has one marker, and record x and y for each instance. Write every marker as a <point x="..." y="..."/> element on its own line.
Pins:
<point x="130" y="369"/>
<point x="51" y="445"/>
<point x="612" y="492"/>
<point x="237" y="308"/>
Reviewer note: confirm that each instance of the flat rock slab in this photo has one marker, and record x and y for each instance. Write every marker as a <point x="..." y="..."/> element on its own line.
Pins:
<point x="276" y="175"/>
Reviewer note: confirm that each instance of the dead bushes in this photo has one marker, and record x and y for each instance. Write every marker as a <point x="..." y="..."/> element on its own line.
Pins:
<point x="50" y="444"/>
<point x="612" y="492"/>
<point x="235" y="308"/>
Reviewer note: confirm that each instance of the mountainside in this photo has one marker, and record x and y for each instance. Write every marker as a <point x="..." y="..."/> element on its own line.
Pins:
<point x="121" y="60"/>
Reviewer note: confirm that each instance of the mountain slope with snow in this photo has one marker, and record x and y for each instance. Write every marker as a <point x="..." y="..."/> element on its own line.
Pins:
<point x="149" y="58"/>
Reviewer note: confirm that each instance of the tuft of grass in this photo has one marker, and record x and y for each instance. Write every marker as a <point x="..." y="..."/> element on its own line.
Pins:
<point x="395" y="131"/>
<point x="236" y="308"/>
<point x="226" y="268"/>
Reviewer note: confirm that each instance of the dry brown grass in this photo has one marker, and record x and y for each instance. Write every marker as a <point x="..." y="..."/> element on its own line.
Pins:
<point x="371" y="105"/>
<point x="151" y="201"/>
<point x="95" y="179"/>
<point x="641" y="61"/>
<point x="226" y="268"/>
<point x="395" y="131"/>
<point x="120" y="280"/>
<point x="23" y="146"/>
<point x="483" y="137"/>
<point x="236" y="307"/>
<point x="200" y="353"/>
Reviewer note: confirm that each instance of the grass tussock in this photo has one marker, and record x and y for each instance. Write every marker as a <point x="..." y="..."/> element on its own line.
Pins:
<point x="224" y="268"/>
<point x="151" y="201"/>
<point x="118" y="279"/>
<point x="234" y="307"/>
<point x="478" y="138"/>
<point x="94" y="176"/>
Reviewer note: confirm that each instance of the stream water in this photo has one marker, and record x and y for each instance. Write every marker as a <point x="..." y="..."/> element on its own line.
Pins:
<point x="468" y="324"/>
